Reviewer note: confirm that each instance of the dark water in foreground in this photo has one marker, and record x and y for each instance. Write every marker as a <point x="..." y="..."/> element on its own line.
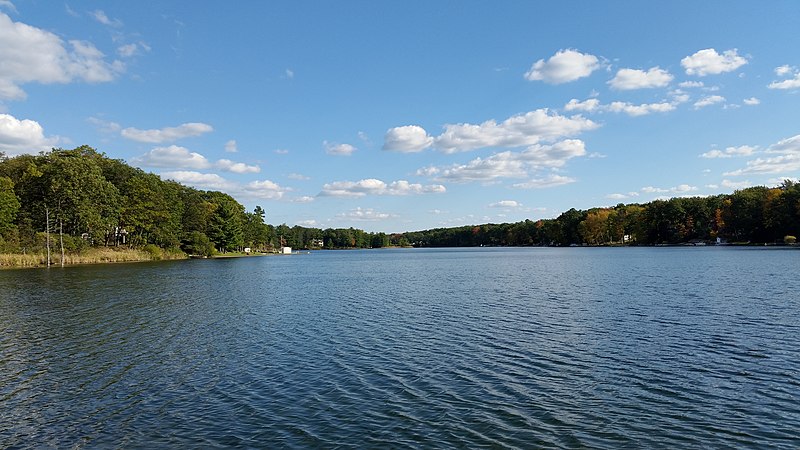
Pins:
<point x="601" y="348"/>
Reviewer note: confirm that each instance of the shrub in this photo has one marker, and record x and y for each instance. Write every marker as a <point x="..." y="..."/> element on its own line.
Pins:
<point x="154" y="251"/>
<point x="199" y="244"/>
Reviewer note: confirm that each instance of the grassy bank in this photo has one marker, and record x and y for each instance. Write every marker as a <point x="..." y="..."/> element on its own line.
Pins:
<point x="90" y="256"/>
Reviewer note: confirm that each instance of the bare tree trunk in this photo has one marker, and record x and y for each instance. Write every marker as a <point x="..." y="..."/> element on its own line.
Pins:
<point x="47" y="232"/>
<point x="61" y="238"/>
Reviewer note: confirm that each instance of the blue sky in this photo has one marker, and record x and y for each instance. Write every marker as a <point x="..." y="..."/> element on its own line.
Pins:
<point x="399" y="116"/>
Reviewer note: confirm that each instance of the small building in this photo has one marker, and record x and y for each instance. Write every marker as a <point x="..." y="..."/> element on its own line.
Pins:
<point x="286" y="250"/>
<point x="247" y="250"/>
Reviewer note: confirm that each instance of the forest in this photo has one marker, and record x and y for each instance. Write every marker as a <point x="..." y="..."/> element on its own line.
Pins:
<point x="78" y="199"/>
<point x="755" y="215"/>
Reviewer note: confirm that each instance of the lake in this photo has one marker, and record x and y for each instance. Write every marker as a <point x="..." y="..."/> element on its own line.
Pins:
<point x="412" y="348"/>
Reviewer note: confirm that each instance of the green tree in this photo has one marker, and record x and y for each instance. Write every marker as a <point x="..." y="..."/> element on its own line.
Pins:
<point x="225" y="226"/>
<point x="148" y="211"/>
<point x="380" y="240"/>
<point x="569" y="222"/>
<point x="255" y="230"/>
<point x="75" y="189"/>
<point x="199" y="244"/>
<point x="9" y="205"/>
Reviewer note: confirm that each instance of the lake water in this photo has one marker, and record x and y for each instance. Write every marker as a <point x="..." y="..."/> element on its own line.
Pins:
<point x="516" y="348"/>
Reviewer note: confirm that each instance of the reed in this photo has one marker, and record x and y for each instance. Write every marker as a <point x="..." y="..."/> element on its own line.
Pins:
<point x="89" y="256"/>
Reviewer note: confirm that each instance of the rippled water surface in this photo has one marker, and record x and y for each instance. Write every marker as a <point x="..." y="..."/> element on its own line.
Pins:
<point x="587" y="347"/>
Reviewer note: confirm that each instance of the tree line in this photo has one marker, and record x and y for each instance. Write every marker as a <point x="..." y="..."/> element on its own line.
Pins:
<point x="73" y="199"/>
<point x="752" y="215"/>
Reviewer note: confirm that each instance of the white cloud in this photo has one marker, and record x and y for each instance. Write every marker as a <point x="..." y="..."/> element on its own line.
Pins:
<point x="742" y="150"/>
<point x="104" y="126"/>
<point x="101" y="17"/>
<point x="366" y="215"/>
<point x="307" y="223"/>
<point x="516" y="131"/>
<point x="127" y="50"/>
<point x="564" y="66"/>
<point x="407" y="139"/>
<point x="786" y="146"/>
<point x="783" y="70"/>
<point x="679" y="96"/>
<point x="709" y="62"/>
<point x="403" y="187"/>
<point x="500" y="165"/>
<point x="509" y="164"/>
<point x="303" y="199"/>
<point x="736" y="184"/>
<point x="775" y="181"/>
<point x="168" y="134"/>
<point x="616" y="196"/>
<point x="639" y="110"/>
<point x="708" y="101"/>
<point x="23" y="136"/>
<point x="372" y="186"/>
<point x="231" y="147"/>
<point x="70" y="11"/>
<point x="281" y="151"/>
<point x="338" y="149"/>
<point x="236" y="167"/>
<point x="297" y="176"/>
<point x="133" y="49"/>
<point x="775" y="164"/>
<point x="691" y="84"/>
<point x="8" y="5"/>
<point x="33" y="55"/>
<point x="628" y="79"/>
<point x="791" y="83"/>
<point x="174" y="157"/>
<point x="262" y="189"/>
<point x="509" y="204"/>
<point x="200" y="180"/>
<point x="682" y="188"/>
<point x="555" y="155"/>
<point x="786" y="161"/>
<point x="547" y="182"/>
<point x="288" y="73"/>
<point x="586" y="105"/>
<point x="752" y="101"/>
<point x="594" y="105"/>
<point x="265" y="189"/>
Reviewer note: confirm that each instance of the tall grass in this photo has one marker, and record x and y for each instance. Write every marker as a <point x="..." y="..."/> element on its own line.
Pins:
<point x="89" y="256"/>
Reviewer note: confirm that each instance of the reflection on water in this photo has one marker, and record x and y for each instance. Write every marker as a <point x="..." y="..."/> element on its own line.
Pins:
<point x="568" y="348"/>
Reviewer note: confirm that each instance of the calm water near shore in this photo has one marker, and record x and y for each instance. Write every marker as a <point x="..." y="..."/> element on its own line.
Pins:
<point x="518" y="348"/>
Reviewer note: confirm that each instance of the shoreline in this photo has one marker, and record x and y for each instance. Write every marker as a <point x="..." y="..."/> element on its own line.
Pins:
<point x="102" y="255"/>
<point x="110" y="256"/>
